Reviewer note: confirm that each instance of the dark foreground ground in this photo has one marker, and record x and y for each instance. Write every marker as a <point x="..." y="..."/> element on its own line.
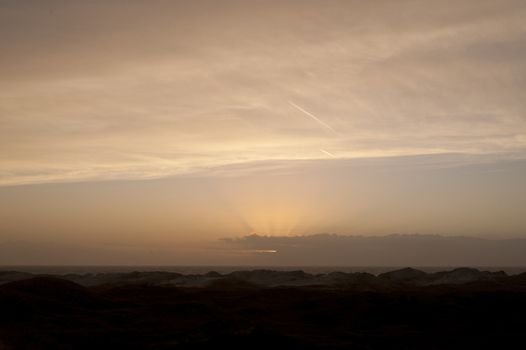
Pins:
<point x="54" y="313"/>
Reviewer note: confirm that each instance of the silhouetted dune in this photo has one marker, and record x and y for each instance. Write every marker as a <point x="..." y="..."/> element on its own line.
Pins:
<point x="46" y="286"/>
<point x="231" y="282"/>
<point x="9" y="276"/>
<point x="270" y="278"/>
<point x="465" y="275"/>
<point x="404" y="275"/>
<point x="274" y="278"/>
<point x="40" y="298"/>
<point x="519" y="279"/>
<point x="357" y="311"/>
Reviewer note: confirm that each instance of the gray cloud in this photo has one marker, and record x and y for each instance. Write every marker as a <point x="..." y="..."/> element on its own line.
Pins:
<point x="392" y="250"/>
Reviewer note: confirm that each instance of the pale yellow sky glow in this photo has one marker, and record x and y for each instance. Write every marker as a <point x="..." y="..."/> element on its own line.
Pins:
<point x="190" y="120"/>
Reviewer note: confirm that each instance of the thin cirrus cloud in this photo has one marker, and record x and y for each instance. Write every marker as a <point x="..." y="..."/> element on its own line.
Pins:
<point x="117" y="90"/>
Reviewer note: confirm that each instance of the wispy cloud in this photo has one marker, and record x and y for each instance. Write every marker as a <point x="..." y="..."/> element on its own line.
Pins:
<point x="387" y="78"/>
<point x="327" y="153"/>
<point x="318" y="120"/>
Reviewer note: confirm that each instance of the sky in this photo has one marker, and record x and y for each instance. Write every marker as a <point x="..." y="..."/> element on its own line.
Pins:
<point x="178" y="123"/>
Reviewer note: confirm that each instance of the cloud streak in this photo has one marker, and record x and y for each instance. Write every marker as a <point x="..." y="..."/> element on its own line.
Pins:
<point x="318" y="120"/>
<point x="327" y="153"/>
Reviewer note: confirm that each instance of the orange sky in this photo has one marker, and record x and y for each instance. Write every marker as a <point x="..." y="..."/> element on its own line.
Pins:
<point x="149" y="122"/>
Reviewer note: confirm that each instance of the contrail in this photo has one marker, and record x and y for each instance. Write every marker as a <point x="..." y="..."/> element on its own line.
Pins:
<point x="327" y="153"/>
<point x="322" y="123"/>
